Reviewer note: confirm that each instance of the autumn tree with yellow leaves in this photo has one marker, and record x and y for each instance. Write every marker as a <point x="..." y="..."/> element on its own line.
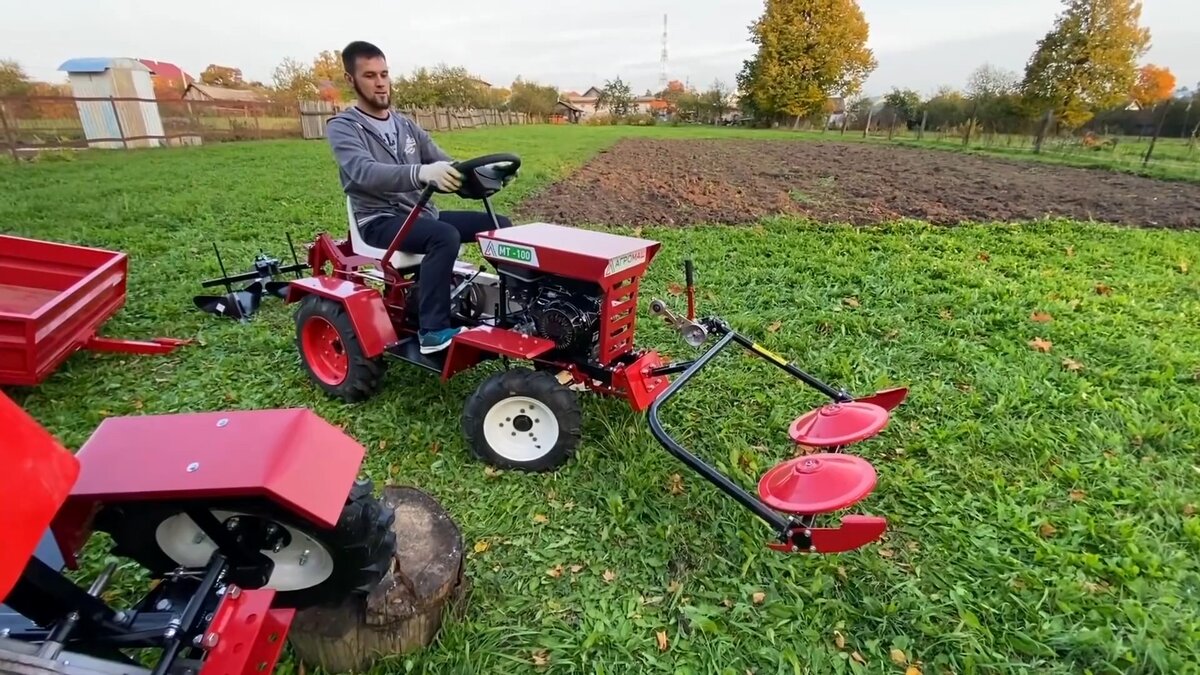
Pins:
<point x="1087" y="61"/>
<point x="808" y="51"/>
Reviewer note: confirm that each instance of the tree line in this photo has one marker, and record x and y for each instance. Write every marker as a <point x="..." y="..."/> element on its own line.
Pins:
<point x="1084" y="71"/>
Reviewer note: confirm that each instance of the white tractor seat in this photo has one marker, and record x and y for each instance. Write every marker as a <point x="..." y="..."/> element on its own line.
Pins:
<point x="400" y="259"/>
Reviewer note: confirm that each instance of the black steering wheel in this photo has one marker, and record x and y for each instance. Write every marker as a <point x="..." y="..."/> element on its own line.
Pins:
<point x="486" y="175"/>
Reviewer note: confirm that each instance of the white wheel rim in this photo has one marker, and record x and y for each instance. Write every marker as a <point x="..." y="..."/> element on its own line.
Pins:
<point x="303" y="563"/>
<point x="521" y="429"/>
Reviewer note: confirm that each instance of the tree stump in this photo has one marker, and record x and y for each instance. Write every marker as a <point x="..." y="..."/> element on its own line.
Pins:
<point x="405" y="611"/>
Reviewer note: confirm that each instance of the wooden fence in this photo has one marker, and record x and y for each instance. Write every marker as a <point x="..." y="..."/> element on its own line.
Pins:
<point x="29" y="124"/>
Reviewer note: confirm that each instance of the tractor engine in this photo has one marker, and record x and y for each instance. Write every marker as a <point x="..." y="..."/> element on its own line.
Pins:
<point x="562" y="310"/>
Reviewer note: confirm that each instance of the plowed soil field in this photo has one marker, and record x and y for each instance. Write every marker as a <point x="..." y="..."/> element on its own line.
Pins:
<point x="682" y="182"/>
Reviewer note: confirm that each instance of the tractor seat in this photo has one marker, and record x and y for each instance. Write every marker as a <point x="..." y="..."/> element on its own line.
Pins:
<point x="400" y="260"/>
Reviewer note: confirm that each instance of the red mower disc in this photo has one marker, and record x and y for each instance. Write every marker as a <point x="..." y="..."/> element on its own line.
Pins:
<point x="838" y="424"/>
<point x="817" y="483"/>
<point x="324" y="351"/>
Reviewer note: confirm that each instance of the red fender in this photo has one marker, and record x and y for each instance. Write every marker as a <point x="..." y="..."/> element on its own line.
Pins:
<point x="368" y="314"/>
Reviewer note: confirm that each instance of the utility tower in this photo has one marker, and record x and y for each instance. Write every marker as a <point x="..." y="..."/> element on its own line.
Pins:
<point x="662" y="76"/>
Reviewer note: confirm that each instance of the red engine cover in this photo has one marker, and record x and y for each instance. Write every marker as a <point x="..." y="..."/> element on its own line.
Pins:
<point x="568" y="251"/>
<point x="289" y="456"/>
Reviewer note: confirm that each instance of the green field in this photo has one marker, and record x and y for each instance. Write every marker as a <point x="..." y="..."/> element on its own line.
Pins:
<point x="1041" y="504"/>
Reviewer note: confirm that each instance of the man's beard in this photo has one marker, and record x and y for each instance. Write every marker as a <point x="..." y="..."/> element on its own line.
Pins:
<point x="387" y="103"/>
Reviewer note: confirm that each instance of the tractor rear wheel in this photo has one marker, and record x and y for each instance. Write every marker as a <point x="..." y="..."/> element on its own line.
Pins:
<point x="332" y="352"/>
<point x="312" y="565"/>
<point x="523" y="419"/>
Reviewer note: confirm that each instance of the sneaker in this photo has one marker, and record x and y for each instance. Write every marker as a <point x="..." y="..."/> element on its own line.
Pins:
<point x="436" y="340"/>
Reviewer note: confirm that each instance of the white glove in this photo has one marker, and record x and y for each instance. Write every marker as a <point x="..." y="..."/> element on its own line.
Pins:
<point x="440" y="174"/>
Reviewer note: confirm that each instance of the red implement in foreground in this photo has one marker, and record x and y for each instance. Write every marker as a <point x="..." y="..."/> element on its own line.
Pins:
<point x="240" y="517"/>
<point x="53" y="299"/>
<point x="564" y="302"/>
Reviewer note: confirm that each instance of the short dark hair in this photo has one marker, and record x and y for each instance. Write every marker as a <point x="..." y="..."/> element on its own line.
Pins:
<point x="357" y="49"/>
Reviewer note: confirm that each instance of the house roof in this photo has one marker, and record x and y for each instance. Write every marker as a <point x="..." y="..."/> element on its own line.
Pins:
<point x="169" y="71"/>
<point x="569" y="105"/>
<point x="99" y="64"/>
<point x="224" y="93"/>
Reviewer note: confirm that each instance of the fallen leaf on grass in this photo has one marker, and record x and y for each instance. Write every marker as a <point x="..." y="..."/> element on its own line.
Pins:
<point x="435" y="448"/>
<point x="392" y="469"/>
<point x="774" y="328"/>
<point x="675" y="289"/>
<point x="481" y="546"/>
<point x="841" y="571"/>
<point x="1189" y="510"/>
<point x="892" y="334"/>
<point x="851" y="302"/>
<point x="912" y="670"/>
<point x="568" y="505"/>
<point x="887" y="553"/>
<point x="839" y="639"/>
<point x="674" y="586"/>
<point x="491" y="472"/>
<point x="609" y="575"/>
<point x="1047" y="530"/>
<point x="858" y="657"/>
<point x="1103" y="289"/>
<point x="898" y="657"/>
<point x="1183" y="267"/>
<point x="541" y="519"/>
<point x="983" y="256"/>
<point x="1072" y="365"/>
<point x="1070" y="251"/>
<point x="1077" y="495"/>
<point x="758" y="597"/>
<point x="576" y="569"/>
<point x="676" y="484"/>
<point x="1040" y="317"/>
<point x="555" y="571"/>
<point x="946" y="315"/>
<point x="662" y="640"/>
<point x="540" y="657"/>
<point x="1040" y="344"/>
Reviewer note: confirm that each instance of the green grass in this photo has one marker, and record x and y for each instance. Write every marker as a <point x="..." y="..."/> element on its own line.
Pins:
<point x="1041" y="518"/>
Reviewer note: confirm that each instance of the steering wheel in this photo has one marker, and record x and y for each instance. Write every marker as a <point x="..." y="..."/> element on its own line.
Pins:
<point x="486" y="175"/>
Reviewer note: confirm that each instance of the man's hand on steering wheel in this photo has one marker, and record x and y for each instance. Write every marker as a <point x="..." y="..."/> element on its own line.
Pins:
<point x="441" y="175"/>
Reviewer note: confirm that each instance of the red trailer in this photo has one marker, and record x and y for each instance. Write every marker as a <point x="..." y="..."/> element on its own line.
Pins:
<point x="53" y="299"/>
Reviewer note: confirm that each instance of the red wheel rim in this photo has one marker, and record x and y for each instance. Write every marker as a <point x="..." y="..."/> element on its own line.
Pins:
<point x="324" y="351"/>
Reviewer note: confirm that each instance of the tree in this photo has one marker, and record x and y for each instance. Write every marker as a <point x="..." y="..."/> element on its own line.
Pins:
<point x="294" y="81"/>
<point x="329" y="74"/>
<point x="222" y="76"/>
<point x="1087" y="61"/>
<point x="616" y="96"/>
<point x="947" y="108"/>
<point x="808" y="50"/>
<point x="533" y="98"/>
<point x="13" y="80"/>
<point x="1154" y="85"/>
<point x="906" y="104"/>
<point x="989" y="82"/>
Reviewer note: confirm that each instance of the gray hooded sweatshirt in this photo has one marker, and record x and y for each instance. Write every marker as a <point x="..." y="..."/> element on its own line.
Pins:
<point x="381" y="179"/>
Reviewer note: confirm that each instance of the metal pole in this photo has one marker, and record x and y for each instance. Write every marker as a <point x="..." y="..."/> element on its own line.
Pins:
<point x="8" y="134"/>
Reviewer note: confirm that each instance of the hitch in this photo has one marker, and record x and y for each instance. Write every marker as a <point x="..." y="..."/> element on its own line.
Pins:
<point x="241" y="304"/>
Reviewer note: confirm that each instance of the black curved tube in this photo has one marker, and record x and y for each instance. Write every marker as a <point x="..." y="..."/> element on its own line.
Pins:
<point x="713" y="476"/>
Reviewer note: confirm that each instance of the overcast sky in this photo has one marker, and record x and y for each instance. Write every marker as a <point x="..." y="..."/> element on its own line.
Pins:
<point x="920" y="44"/>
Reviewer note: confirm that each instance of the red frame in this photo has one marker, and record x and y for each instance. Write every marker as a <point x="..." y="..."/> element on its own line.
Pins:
<point x="246" y="635"/>
<point x="291" y="457"/>
<point x="53" y="299"/>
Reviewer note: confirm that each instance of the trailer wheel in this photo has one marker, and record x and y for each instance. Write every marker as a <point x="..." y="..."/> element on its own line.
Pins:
<point x="332" y="353"/>
<point x="523" y="419"/>
<point x="313" y="565"/>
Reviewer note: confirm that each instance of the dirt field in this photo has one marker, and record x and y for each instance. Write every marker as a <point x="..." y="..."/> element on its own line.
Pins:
<point x="677" y="182"/>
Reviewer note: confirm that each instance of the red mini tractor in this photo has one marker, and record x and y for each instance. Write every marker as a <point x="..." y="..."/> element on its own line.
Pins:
<point x="240" y="519"/>
<point x="565" y="301"/>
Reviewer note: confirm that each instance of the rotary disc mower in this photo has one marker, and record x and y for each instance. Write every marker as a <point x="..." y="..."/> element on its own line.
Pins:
<point x="240" y="518"/>
<point x="564" y="301"/>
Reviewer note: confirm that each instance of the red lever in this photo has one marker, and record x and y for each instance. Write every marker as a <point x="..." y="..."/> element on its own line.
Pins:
<point x="854" y="532"/>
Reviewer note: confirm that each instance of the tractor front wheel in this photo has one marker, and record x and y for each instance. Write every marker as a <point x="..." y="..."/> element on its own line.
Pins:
<point x="523" y="419"/>
<point x="332" y="353"/>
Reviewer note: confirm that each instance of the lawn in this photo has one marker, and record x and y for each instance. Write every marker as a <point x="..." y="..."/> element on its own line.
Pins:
<point x="1041" y="500"/>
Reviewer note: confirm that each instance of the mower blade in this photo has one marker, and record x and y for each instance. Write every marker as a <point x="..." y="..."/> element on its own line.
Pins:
<point x="278" y="289"/>
<point x="855" y="532"/>
<point x="888" y="399"/>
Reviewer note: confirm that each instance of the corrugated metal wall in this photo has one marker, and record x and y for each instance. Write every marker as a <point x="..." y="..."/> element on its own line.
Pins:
<point x="98" y="118"/>
<point x="143" y="87"/>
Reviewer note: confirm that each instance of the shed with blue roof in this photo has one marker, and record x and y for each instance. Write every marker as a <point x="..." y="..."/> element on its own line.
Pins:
<point x="118" y="107"/>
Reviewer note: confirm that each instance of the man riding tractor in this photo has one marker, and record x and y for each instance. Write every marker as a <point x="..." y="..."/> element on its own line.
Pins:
<point x="386" y="159"/>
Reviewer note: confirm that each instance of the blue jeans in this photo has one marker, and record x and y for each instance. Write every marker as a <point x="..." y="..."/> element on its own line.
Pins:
<point x="438" y="240"/>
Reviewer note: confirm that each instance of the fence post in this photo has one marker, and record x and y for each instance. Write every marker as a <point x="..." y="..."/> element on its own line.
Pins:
<point x="867" y="129"/>
<point x="120" y="127"/>
<point x="8" y="134"/>
<point x="1157" y="132"/>
<point x="1041" y="135"/>
<point x="924" y="119"/>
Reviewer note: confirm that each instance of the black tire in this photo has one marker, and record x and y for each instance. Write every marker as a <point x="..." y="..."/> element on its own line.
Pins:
<point x="549" y="397"/>
<point x="362" y="376"/>
<point x="360" y="546"/>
